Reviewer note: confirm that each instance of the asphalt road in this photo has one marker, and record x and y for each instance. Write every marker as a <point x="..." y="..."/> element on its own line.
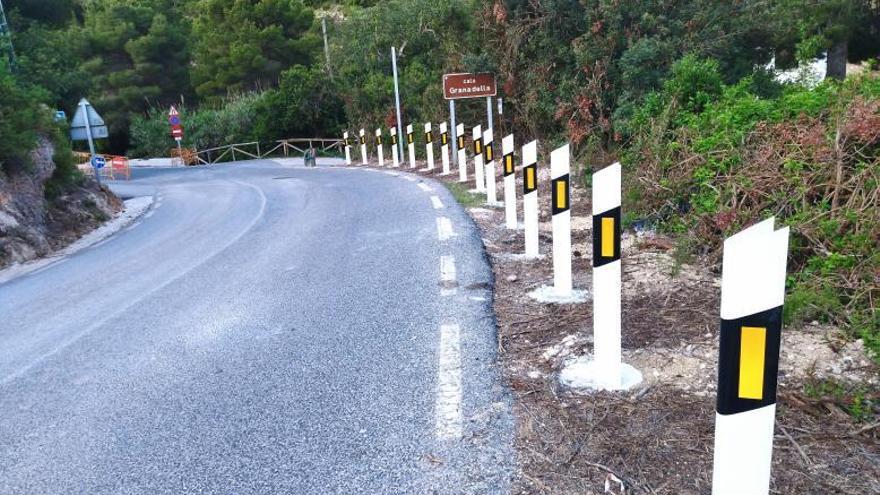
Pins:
<point x="262" y="329"/>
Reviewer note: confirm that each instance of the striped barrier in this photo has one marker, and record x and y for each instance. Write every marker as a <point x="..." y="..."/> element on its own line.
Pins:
<point x="395" y="159"/>
<point x="379" y="151"/>
<point x="411" y="142"/>
<point x="509" y="172"/>
<point x="478" y="159"/>
<point x="607" y="280"/>
<point x="489" y="164"/>
<point x="363" y="147"/>
<point x="561" y="209"/>
<point x="462" y="154"/>
<point x="120" y="168"/>
<point x="347" y="141"/>
<point x="530" y="198"/>
<point x="752" y="294"/>
<point x="444" y="147"/>
<point x="429" y="146"/>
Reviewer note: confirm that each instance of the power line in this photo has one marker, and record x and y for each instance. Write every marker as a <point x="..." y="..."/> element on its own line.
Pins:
<point x="6" y="38"/>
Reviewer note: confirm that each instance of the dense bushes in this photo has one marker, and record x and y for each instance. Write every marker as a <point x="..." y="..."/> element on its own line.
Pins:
<point x="305" y="104"/>
<point x="707" y="159"/>
<point x="21" y="117"/>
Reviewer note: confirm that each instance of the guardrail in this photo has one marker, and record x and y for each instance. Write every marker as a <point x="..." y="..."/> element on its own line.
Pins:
<point x="252" y="149"/>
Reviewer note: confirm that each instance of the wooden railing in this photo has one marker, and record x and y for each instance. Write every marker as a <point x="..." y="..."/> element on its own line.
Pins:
<point x="253" y="150"/>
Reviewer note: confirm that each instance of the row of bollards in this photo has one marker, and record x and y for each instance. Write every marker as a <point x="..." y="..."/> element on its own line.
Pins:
<point x="752" y="293"/>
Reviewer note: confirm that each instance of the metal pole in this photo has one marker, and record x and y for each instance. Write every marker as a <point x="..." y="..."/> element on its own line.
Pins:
<point x="326" y="47"/>
<point x="489" y="111"/>
<point x="85" y="110"/>
<point x="180" y="152"/>
<point x="453" y="128"/>
<point x="397" y="99"/>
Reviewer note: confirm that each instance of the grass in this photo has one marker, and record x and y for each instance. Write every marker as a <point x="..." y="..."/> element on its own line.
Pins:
<point x="463" y="196"/>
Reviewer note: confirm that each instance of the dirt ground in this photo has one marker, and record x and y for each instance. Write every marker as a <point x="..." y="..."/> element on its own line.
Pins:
<point x="657" y="438"/>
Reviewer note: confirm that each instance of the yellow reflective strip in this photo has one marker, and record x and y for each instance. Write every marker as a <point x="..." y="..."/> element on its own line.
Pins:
<point x="607" y="237"/>
<point x="560" y="194"/>
<point x="509" y="164"/>
<point x="751" y="363"/>
<point x="530" y="177"/>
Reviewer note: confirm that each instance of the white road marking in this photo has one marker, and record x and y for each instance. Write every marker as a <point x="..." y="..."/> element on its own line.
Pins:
<point x="448" y="277"/>
<point x="424" y="187"/>
<point x="150" y="213"/>
<point x="395" y="174"/>
<point x="436" y="202"/>
<point x="448" y="405"/>
<point x="132" y="226"/>
<point x="444" y="229"/>
<point x="410" y="178"/>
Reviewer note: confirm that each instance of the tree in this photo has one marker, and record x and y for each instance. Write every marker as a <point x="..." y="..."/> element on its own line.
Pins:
<point x="243" y="45"/>
<point x="137" y="55"/>
<point x="845" y="30"/>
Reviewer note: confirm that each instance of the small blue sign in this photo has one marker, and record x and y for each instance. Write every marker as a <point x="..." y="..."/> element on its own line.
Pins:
<point x="174" y="120"/>
<point x="60" y="116"/>
<point x="98" y="161"/>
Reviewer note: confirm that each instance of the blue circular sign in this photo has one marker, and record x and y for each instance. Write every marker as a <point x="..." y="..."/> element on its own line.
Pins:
<point x="174" y="120"/>
<point x="98" y="161"/>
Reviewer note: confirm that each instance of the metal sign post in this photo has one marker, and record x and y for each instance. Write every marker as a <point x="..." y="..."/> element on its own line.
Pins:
<point x="87" y="125"/>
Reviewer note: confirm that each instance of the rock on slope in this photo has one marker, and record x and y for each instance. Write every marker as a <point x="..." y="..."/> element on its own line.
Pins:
<point x="32" y="226"/>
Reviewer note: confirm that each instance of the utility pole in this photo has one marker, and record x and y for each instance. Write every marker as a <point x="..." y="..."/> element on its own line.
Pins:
<point x="6" y="38"/>
<point x="326" y="47"/>
<point x="397" y="98"/>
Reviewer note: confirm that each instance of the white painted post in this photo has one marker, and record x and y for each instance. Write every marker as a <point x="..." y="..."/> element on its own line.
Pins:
<point x="363" y="147"/>
<point x="478" y="159"/>
<point x="606" y="276"/>
<point x="509" y="172"/>
<point x="410" y="140"/>
<point x="489" y="147"/>
<point x="561" y="209"/>
<point x="453" y="126"/>
<point x="347" y="148"/>
<point x="379" y="151"/>
<point x="444" y="147"/>
<point x="530" y="198"/>
<point x="429" y="146"/>
<point x="462" y="153"/>
<point x="395" y="159"/>
<point x="752" y="295"/>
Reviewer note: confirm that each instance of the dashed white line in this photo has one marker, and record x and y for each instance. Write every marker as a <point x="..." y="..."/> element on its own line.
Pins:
<point x="436" y="202"/>
<point x="448" y="277"/>
<point x="410" y="178"/>
<point x="394" y="174"/>
<point x="132" y="226"/>
<point x="448" y="405"/>
<point x="424" y="187"/>
<point x="150" y="213"/>
<point x="444" y="229"/>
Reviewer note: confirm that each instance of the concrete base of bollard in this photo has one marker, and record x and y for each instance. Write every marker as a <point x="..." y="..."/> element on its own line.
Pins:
<point x="549" y="294"/>
<point x="584" y="373"/>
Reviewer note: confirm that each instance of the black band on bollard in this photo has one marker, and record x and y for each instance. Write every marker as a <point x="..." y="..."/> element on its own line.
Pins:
<point x="461" y="142"/>
<point x="606" y="237"/>
<point x="429" y="138"/>
<point x="561" y="193"/>
<point x="748" y="362"/>
<point x="394" y="139"/>
<point x="409" y="138"/>
<point x="508" y="164"/>
<point x="478" y="146"/>
<point x="363" y="140"/>
<point x="490" y="152"/>
<point x="444" y="138"/>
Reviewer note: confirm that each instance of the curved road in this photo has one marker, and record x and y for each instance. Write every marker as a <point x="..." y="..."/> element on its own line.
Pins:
<point x="262" y="329"/>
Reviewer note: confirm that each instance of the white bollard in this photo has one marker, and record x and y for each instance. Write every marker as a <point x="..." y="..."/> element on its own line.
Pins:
<point x="347" y="148"/>
<point x="509" y="172"/>
<point x="395" y="160"/>
<point x="530" y="198"/>
<point x="752" y="294"/>
<point x="363" y="147"/>
<point x="379" y="151"/>
<point x="410" y="140"/>
<point x="606" y="277"/>
<point x="489" y="152"/>
<point x="561" y="209"/>
<point x="429" y="146"/>
<point x="462" y="153"/>
<point x="444" y="147"/>
<point x="478" y="159"/>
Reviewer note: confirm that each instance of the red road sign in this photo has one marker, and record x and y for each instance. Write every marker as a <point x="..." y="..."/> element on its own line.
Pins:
<point x="174" y="121"/>
<point x="460" y="86"/>
<point x="177" y="132"/>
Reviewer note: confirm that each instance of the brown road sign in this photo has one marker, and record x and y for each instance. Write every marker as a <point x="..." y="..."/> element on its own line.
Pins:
<point x="459" y="86"/>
